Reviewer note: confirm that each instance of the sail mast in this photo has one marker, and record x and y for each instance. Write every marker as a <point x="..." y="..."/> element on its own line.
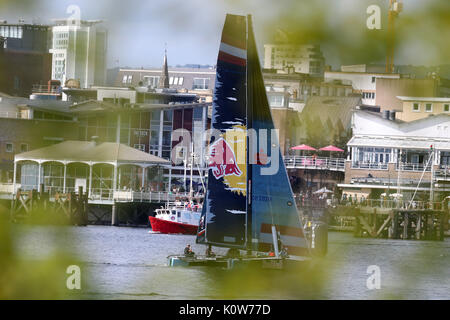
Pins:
<point x="249" y="112"/>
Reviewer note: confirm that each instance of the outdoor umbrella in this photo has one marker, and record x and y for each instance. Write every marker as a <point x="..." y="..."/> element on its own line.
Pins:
<point x="303" y="147"/>
<point x="331" y="149"/>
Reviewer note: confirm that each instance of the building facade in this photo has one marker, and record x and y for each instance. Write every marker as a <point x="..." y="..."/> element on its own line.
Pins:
<point x="24" y="57"/>
<point x="199" y="81"/>
<point x="415" y="108"/>
<point x="306" y="59"/>
<point x="364" y="83"/>
<point x="387" y="156"/>
<point x="79" y="52"/>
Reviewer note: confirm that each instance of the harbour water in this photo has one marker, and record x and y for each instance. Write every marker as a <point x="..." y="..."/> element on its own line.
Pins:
<point x="130" y="263"/>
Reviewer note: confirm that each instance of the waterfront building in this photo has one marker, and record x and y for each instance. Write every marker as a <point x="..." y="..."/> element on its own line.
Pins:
<point x="79" y="52"/>
<point x="287" y="88"/>
<point x="31" y="124"/>
<point x="389" y="155"/>
<point x="24" y="57"/>
<point x="415" y="108"/>
<point x="107" y="171"/>
<point x="387" y="90"/>
<point x="199" y="81"/>
<point x="364" y="83"/>
<point x="25" y="36"/>
<point x="307" y="58"/>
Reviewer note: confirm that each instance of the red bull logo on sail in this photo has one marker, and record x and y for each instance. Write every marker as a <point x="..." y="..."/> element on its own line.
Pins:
<point x="222" y="160"/>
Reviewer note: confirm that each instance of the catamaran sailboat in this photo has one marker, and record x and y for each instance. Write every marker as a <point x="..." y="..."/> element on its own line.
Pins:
<point x="246" y="207"/>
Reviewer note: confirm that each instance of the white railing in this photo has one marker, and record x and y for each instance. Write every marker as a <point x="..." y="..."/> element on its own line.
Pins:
<point x="7" y="188"/>
<point x="46" y="89"/>
<point x="369" y="165"/>
<point x="320" y="163"/>
<point x="414" y="166"/>
<point x="396" y="204"/>
<point x="10" y="114"/>
<point x="145" y="196"/>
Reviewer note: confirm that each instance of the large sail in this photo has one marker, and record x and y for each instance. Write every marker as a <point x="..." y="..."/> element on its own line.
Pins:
<point x="246" y="200"/>
<point x="272" y="202"/>
<point x="222" y="222"/>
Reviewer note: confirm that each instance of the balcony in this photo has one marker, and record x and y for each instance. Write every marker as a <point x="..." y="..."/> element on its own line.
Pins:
<point x="10" y="114"/>
<point x="413" y="167"/>
<point x="307" y="162"/>
<point x="369" y="165"/>
<point x="442" y="173"/>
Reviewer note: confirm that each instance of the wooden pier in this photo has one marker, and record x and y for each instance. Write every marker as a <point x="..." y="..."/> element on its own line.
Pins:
<point x="429" y="223"/>
<point x="37" y="207"/>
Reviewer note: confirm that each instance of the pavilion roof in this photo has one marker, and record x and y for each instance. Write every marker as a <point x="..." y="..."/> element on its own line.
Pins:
<point x="90" y="151"/>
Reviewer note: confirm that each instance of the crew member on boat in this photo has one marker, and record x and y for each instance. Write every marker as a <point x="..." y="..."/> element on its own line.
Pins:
<point x="209" y="253"/>
<point x="188" y="251"/>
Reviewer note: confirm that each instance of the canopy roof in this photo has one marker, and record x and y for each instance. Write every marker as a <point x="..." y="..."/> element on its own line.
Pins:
<point x="331" y="148"/>
<point x="399" y="142"/>
<point x="303" y="147"/>
<point x="89" y="151"/>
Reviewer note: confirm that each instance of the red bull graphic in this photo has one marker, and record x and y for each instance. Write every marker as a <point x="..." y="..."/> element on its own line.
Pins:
<point x="222" y="160"/>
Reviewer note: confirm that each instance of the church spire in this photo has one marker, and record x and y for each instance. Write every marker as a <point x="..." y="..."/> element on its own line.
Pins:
<point x="164" y="80"/>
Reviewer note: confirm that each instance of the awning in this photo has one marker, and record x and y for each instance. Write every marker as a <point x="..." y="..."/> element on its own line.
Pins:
<point x="89" y="151"/>
<point x="400" y="143"/>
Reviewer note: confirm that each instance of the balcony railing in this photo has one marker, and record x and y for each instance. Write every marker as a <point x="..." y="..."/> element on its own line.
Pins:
<point x="46" y="89"/>
<point x="443" y="172"/>
<point x="309" y="162"/>
<point x="414" y="166"/>
<point x="369" y="165"/>
<point x="10" y="114"/>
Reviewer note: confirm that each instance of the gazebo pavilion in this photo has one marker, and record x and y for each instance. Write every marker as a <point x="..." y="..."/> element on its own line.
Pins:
<point x="102" y="169"/>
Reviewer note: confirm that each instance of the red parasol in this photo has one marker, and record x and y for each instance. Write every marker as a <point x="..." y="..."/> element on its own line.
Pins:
<point x="332" y="149"/>
<point x="304" y="147"/>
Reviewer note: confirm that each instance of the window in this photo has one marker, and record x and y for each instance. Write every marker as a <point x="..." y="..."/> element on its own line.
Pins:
<point x="416" y="107"/>
<point x="171" y="80"/>
<point x="373" y="79"/>
<point x="124" y="80"/>
<point x="23" y="147"/>
<point x="130" y="78"/>
<point x="180" y="81"/>
<point x="201" y="83"/>
<point x="276" y="100"/>
<point x="9" y="147"/>
<point x="152" y="81"/>
<point x="446" y="107"/>
<point x="140" y="147"/>
<point x="428" y="107"/>
<point x="175" y="81"/>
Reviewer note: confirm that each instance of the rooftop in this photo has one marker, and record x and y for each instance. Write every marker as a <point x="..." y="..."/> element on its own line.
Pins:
<point x="92" y="152"/>
<point x="425" y="99"/>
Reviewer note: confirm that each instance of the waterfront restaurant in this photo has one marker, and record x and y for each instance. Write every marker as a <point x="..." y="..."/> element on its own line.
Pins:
<point x="386" y="155"/>
<point x="102" y="169"/>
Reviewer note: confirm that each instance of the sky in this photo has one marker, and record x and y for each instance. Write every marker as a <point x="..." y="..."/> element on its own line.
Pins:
<point x="139" y="30"/>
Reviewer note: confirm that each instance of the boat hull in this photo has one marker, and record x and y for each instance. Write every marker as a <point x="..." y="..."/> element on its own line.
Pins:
<point x="169" y="227"/>
<point x="234" y="263"/>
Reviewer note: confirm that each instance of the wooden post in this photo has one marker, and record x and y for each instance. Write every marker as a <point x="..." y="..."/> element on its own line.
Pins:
<point x="114" y="220"/>
<point x="79" y="219"/>
<point x="65" y="178"/>
<point x="405" y="225"/>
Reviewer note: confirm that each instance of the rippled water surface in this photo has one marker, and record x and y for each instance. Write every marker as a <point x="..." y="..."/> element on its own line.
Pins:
<point x="130" y="263"/>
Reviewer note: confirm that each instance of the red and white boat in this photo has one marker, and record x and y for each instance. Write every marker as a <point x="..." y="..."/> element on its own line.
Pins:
<point x="178" y="219"/>
<point x="182" y="217"/>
